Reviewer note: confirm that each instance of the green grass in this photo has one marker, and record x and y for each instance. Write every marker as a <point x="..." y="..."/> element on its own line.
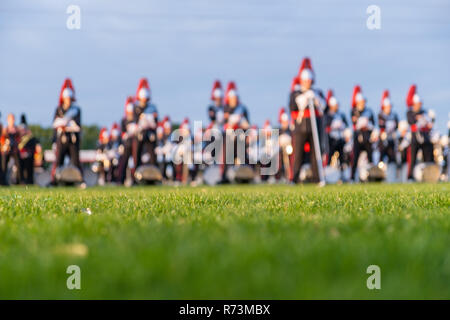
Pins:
<point x="256" y="242"/>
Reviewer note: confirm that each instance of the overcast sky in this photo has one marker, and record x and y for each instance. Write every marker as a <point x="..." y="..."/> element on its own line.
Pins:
<point x="182" y="46"/>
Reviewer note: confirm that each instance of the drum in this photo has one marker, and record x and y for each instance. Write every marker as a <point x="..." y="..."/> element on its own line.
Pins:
<point x="241" y="174"/>
<point x="68" y="175"/>
<point x="427" y="172"/>
<point x="376" y="173"/>
<point x="332" y="174"/>
<point x="147" y="174"/>
<point x="244" y="174"/>
<point x="371" y="173"/>
<point x="212" y="175"/>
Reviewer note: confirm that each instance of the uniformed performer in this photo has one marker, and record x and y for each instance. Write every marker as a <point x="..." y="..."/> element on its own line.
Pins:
<point x="335" y="124"/>
<point x="164" y="149"/>
<point x="103" y="163"/>
<point x="388" y="123"/>
<point x="299" y="102"/>
<point x="236" y="117"/>
<point x="363" y="125"/>
<point x="10" y="149"/>
<point x="67" y="128"/>
<point x="215" y="129"/>
<point x="404" y="142"/>
<point x="146" y="117"/>
<point x="285" y="142"/>
<point x="421" y="126"/>
<point x="216" y="107"/>
<point x="27" y="150"/>
<point x="128" y="148"/>
<point x="115" y="142"/>
<point x="183" y="153"/>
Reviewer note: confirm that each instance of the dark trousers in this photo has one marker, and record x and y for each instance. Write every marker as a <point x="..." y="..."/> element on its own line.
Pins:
<point x="336" y="145"/>
<point x="146" y="145"/>
<point x="5" y="160"/>
<point x="427" y="151"/>
<point x="27" y="170"/>
<point x="387" y="150"/>
<point x="67" y="147"/>
<point x="130" y="147"/>
<point x="361" y="142"/>
<point x="301" y="135"/>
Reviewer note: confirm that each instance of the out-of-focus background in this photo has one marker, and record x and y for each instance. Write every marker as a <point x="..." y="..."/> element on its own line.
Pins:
<point x="182" y="46"/>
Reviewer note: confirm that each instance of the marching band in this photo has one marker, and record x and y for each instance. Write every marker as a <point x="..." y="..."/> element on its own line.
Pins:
<point x="315" y="141"/>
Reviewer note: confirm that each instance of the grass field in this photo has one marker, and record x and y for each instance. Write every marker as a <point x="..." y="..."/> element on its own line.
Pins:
<point x="261" y="242"/>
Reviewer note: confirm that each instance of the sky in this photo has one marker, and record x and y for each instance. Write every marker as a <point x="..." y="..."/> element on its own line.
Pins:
<point x="183" y="46"/>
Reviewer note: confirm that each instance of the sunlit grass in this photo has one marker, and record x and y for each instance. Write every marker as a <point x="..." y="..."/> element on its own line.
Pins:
<point x="281" y="242"/>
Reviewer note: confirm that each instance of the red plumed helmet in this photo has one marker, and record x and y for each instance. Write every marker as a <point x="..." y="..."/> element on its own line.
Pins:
<point x="331" y="99"/>
<point x="160" y="127"/>
<point x="166" y="123"/>
<point x="295" y="85"/>
<point x="216" y="90"/>
<point x="357" y="95"/>
<point x="282" y="115"/>
<point x="143" y="89"/>
<point x="267" y="125"/>
<point x="129" y="105"/>
<point x="385" y="100"/>
<point x="67" y="90"/>
<point x="412" y="96"/>
<point x="115" y="132"/>
<point x="306" y="71"/>
<point x="231" y="91"/>
<point x="103" y="135"/>
<point x="185" y="124"/>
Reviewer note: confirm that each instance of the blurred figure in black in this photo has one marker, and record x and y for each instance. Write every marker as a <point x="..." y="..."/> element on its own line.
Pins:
<point x="115" y="142"/>
<point x="335" y="124"/>
<point x="129" y="142"/>
<point x="421" y="125"/>
<point x="102" y="165"/>
<point x="363" y="125"/>
<point x="146" y="117"/>
<point x="10" y="150"/>
<point x="299" y="102"/>
<point x="216" y="107"/>
<point x="27" y="149"/>
<point x="388" y="123"/>
<point x="236" y="117"/>
<point x="286" y="149"/>
<point x="67" y="129"/>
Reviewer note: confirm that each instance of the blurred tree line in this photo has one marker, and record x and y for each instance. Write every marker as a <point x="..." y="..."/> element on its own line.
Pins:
<point x="89" y="136"/>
